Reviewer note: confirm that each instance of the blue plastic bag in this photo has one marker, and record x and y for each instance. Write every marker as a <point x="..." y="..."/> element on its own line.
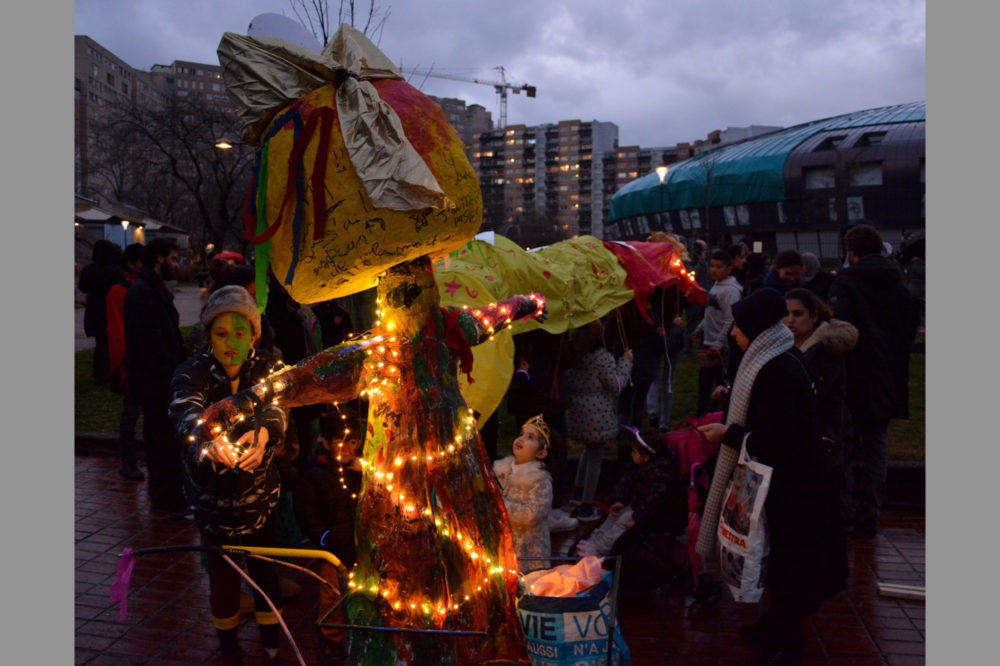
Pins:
<point x="572" y="631"/>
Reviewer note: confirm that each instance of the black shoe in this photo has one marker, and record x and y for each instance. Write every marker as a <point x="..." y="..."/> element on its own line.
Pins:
<point x="131" y="472"/>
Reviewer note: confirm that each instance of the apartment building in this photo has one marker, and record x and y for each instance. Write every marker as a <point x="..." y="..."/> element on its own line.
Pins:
<point x="101" y="82"/>
<point x="468" y="120"/>
<point x="539" y="182"/>
<point x="194" y="81"/>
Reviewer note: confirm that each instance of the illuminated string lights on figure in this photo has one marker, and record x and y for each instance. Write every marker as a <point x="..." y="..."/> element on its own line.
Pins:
<point x="434" y="550"/>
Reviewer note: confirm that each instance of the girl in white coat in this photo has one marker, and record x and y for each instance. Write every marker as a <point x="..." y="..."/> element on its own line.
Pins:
<point x="527" y="493"/>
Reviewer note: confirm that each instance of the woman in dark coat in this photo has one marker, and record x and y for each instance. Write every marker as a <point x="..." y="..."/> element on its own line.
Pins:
<point x="772" y="404"/>
<point x="825" y="343"/>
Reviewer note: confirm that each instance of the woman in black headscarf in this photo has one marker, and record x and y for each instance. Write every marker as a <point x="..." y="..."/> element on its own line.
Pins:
<point x="772" y="405"/>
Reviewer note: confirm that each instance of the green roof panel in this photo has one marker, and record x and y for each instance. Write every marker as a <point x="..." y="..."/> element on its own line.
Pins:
<point x="746" y="172"/>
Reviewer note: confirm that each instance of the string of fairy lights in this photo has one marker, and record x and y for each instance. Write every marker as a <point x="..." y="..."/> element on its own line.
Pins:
<point x="381" y="379"/>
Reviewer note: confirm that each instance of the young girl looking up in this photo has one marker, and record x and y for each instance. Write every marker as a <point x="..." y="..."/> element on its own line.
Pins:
<point x="527" y="493"/>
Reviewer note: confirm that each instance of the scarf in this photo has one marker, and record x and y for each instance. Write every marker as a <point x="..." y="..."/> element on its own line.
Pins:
<point x="771" y="342"/>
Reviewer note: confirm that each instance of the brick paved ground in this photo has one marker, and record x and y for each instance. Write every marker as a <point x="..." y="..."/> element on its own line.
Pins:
<point x="168" y="621"/>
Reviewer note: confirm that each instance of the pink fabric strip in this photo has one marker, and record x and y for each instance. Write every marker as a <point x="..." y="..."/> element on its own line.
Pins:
<point x="119" y="589"/>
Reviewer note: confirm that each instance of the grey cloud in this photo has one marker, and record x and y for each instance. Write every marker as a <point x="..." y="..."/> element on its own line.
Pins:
<point x="665" y="72"/>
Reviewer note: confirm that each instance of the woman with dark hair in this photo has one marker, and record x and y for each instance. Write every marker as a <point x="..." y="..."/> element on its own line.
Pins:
<point x="824" y="341"/>
<point x="593" y="379"/>
<point x="772" y="409"/>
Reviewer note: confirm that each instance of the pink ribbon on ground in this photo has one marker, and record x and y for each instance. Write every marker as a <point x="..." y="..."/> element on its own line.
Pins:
<point x="119" y="589"/>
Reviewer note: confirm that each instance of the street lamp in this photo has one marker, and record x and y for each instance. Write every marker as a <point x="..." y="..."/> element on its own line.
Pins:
<point x="125" y="232"/>
<point x="661" y="172"/>
<point x="226" y="143"/>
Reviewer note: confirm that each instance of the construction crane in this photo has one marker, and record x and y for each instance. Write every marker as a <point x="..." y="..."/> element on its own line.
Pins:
<point x="501" y="87"/>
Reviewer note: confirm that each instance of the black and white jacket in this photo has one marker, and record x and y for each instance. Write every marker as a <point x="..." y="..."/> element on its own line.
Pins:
<point x="227" y="502"/>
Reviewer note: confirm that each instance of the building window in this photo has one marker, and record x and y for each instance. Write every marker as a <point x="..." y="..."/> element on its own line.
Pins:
<point x="829" y="244"/>
<point x="867" y="173"/>
<point x="830" y="142"/>
<point x="855" y="208"/>
<point x="743" y="214"/>
<point x="870" y="139"/>
<point x="818" y="178"/>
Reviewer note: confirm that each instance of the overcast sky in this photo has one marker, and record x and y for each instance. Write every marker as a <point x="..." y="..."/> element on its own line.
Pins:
<point x="664" y="71"/>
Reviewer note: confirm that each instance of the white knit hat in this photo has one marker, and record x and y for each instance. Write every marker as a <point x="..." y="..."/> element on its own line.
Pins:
<point x="235" y="299"/>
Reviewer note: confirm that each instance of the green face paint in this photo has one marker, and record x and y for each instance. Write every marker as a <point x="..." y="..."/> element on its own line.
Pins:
<point x="231" y="339"/>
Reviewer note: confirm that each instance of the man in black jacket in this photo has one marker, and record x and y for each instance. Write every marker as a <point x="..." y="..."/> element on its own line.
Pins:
<point x="869" y="294"/>
<point x="154" y="349"/>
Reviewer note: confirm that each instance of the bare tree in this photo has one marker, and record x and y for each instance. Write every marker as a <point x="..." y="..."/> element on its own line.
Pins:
<point x="164" y="160"/>
<point x="115" y="168"/>
<point x="316" y="15"/>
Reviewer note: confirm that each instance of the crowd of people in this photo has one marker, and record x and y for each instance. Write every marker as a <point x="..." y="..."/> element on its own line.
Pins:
<point x="807" y="367"/>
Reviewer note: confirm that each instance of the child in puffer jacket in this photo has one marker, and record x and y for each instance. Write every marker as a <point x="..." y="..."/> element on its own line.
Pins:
<point x="641" y="494"/>
<point x="526" y="487"/>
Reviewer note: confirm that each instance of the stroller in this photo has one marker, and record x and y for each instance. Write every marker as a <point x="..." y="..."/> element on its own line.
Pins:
<point x="662" y="550"/>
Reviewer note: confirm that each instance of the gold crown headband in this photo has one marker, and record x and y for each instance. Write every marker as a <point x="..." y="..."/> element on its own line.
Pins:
<point x="539" y="424"/>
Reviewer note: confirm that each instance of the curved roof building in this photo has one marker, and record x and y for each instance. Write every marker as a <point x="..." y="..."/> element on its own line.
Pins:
<point x="795" y="188"/>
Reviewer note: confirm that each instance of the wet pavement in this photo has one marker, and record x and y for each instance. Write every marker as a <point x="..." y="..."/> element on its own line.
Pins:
<point x="168" y="621"/>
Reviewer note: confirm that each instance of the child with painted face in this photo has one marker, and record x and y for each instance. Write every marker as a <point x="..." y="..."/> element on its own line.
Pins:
<point x="526" y="486"/>
<point x="232" y="483"/>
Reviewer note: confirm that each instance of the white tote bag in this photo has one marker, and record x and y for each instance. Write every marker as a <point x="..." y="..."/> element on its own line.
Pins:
<point x="742" y="531"/>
